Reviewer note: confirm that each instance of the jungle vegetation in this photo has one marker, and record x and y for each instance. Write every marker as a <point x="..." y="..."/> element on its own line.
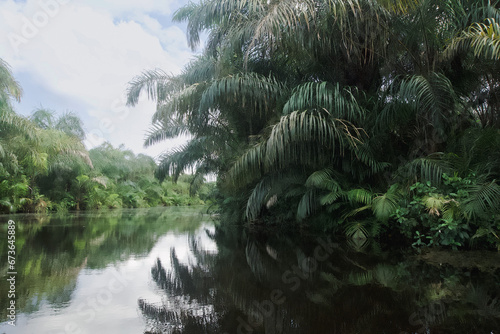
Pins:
<point x="368" y="118"/>
<point x="44" y="165"/>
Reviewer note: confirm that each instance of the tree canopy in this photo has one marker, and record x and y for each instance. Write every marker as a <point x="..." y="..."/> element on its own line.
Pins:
<point x="338" y="109"/>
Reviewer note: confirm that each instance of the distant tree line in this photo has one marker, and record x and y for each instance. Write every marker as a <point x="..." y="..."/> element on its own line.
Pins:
<point x="44" y="165"/>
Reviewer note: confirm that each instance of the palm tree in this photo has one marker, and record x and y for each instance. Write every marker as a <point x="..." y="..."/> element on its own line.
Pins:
<point x="10" y="123"/>
<point x="31" y="148"/>
<point x="287" y="89"/>
<point x="14" y="185"/>
<point x="9" y="87"/>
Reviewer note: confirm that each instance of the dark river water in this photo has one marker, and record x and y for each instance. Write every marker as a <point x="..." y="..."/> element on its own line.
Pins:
<point x="175" y="270"/>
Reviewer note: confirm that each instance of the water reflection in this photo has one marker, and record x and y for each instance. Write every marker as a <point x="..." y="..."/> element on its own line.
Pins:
<point x="171" y="271"/>
<point x="52" y="251"/>
<point x="258" y="283"/>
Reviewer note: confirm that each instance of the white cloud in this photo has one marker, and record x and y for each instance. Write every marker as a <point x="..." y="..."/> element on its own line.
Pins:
<point x="123" y="7"/>
<point x="89" y="51"/>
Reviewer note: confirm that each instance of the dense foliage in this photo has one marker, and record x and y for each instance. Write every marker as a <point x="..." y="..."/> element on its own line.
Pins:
<point x="45" y="166"/>
<point x="368" y="117"/>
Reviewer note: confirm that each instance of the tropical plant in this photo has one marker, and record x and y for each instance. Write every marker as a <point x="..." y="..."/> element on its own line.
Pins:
<point x="333" y="105"/>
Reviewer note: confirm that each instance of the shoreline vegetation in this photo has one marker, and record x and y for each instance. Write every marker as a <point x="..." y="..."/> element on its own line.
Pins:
<point x="101" y="178"/>
<point x="45" y="167"/>
<point x="361" y="118"/>
<point x="365" y="119"/>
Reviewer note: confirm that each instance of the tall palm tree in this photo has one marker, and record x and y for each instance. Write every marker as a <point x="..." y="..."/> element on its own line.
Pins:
<point x="285" y="89"/>
<point x="10" y="90"/>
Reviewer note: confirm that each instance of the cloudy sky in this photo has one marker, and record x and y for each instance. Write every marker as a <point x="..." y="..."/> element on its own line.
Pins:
<point x="79" y="55"/>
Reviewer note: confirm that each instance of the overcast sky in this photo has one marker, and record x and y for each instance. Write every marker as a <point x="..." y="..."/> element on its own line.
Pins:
<point x="79" y="55"/>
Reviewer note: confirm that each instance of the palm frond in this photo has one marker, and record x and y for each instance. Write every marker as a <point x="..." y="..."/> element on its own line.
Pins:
<point x="43" y="118"/>
<point x="8" y="85"/>
<point x="166" y="129"/>
<point x="253" y="90"/>
<point x="249" y="165"/>
<point x="205" y="15"/>
<point x="70" y="124"/>
<point x="280" y="15"/>
<point x="300" y="136"/>
<point x="385" y="205"/>
<point x="434" y="94"/>
<point x="199" y="154"/>
<point x="57" y="142"/>
<point x="275" y="187"/>
<point x="259" y="195"/>
<point x="285" y="141"/>
<point x="360" y="195"/>
<point x="483" y="201"/>
<point x="155" y="83"/>
<point x="430" y="168"/>
<point x="307" y="205"/>
<point x="15" y="124"/>
<point x="176" y="161"/>
<point x="400" y="6"/>
<point x="197" y="182"/>
<point x="340" y="103"/>
<point x="323" y="179"/>
<point x="483" y="39"/>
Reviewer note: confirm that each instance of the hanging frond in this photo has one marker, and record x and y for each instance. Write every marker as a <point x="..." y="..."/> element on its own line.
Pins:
<point x="56" y="142"/>
<point x="364" y="153"/>
<point x="289" y="138"/>
<point x="433" y="94"/>
<point x="252" y="90"/>
<point x="307" y="205"/>
<point x="156" y="83"/>
<point x="184" y="101"/>
<point x="43" y="118"/>
<point x="430" y="168"/>
<point x="340" y="103"/>
<point x="12" y="123"/>
<point x="204" y="16"/>
<point x="197" y="182"/>
<point x="278" y="16"/>
<point x="483" y="201"/>
<point x="271" y="189"/>
<point x="166" y="129"/>
<point x="9" y="87"/>
<point x="483" y="39"/>
<point x="323" y="179"/>
<point x="300" y="136"/>
<point x="200" y="154"/>
<point x="257" y="198"/>
<point x="249" y="165"/>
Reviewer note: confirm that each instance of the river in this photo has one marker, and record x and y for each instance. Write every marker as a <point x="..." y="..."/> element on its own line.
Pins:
<point x="176" y="270"/>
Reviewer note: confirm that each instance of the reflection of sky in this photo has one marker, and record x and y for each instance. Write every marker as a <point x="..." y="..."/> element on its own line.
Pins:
<point x="105" y="300"/>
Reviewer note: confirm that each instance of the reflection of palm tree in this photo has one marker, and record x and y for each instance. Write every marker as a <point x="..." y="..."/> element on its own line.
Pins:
<point x="347" y="293"/>
<point x="190" y="300"/>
